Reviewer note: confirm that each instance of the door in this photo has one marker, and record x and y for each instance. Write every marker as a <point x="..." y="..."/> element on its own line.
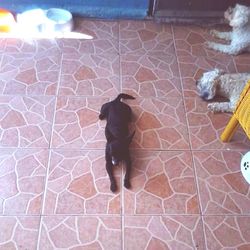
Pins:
<point x="193" y="8"/>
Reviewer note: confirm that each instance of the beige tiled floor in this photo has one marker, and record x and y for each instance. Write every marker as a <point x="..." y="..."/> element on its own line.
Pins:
<point x="187" y="191"/>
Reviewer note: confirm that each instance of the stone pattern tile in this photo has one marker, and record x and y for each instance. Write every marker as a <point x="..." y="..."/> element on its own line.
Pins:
<point x="30" y="46"/>
<point x="80" y="232"/>
<point x="22" y="178"/>
<point x="101" y="37"/>
<point x="1" y="56"/>
<point x="159" y="123"/>
<point x="242" y="62"/>
<point x="190" y="40"/>
<point x="2" y="45"/>
<point x="30" y="73"/>
<point x="192" y="68"/>
<point x="163" y="232"/>
<point x="18" y="232"/>
<point x="206" y="127"/>
<point x="26" y="121"/>
<point x="150" y="75"/>
<point x="223" y="189"/>
<point x="90" y="75"/>
<point x="162" y="183"/>
<point x="145" y="37"/>
<point x="187" y="191"/>
<point x="227" y="232"/>
<point x="78" y="184"/>
<point x="77" y="124"/>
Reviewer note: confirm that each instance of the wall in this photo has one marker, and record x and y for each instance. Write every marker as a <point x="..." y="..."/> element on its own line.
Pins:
<point x="91" y="8"/>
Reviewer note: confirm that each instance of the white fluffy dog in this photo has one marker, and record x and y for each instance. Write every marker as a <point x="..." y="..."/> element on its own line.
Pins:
<point x="216" y="82"/>
<point x="239" y="37"/>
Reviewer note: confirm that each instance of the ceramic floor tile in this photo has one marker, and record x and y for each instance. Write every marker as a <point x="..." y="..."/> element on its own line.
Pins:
<point x="80" y="232"/>
<point x="26" y="121"/>
<point x="30" y="74"/>
<point x="192" y="68"/>
<point x="88" y="46"/>
<point x="191" y="39"/>
<point x="22" y="177"/>
<point x="163" y="232"/>
<point x="1" y="57"/>
<point x="206" y="127"/>
<point x="19" y="232"/>
<point x="101" y="37"/>
<point x="159" y="123"/>
<point x="104" y="29"/>
<point x="14" y="45"/>
<point x="90" y="75"/>
<point x="162" y="209"/>
<point x="142" y="37"/>
<point x="242" y="62"/>
<point x="2" y="44"/>
<point x="150" y="75"/>
<point x="78" y="184"/>
<point x="162" y="183"/>
<point x="227" y="232"/>
<point x="77" y="124"/>
<point x="30" y="46"/>
<point x="222" y="187"/>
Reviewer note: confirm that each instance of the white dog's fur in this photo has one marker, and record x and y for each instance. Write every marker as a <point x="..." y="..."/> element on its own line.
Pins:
<point x="216" y="82"/>
<point x="239" y="37"/>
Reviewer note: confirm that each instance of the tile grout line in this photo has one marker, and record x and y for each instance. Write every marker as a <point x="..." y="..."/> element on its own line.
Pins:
<point x="119" y="56"/>
<point x="130" y="215"/>
<point x="50" y="151"/>
<point x="122" y="171"/>
<point x="196" y="183"/>
<point x="190" y="144"/>
<point x="1" y="60"/>
<point x="182" y="93"/>
<point x="235" y="65"/>
<point x="135" y="149"/>
<point x="203" y="230"/>
<point x="90" y="96"/>
<point x="199" y="200"/>
<point x="187" y="122"/>
<point x="122" y="213"/>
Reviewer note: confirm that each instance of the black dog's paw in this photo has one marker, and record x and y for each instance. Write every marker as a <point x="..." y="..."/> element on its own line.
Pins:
<point x="101" y="116"/>
<point x="127" y="184"/>
<point x="113" y="187"/>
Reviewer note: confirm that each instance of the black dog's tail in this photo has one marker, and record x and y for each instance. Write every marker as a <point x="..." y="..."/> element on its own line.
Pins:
<point x="124" y="96"/>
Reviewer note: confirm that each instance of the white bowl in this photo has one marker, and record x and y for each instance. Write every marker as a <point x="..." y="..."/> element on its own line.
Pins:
<point x="31" y="21"/>
<point x="58" y="20"/>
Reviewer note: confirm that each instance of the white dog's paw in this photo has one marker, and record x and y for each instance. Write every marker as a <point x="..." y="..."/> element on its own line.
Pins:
<point x="208" y="45"/>
<point x="220" y="107"/>
<point x="214" y="33"/>
<point x="212" y="107"/>
<point x="212" y="45"/>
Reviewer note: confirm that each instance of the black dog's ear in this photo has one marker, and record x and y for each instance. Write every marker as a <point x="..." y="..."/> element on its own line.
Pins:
<point x="130" y="137"/>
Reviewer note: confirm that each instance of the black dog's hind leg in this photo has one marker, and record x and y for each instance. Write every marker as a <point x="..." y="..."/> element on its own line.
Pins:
<point x="109" y="168"/>
<point x="128" y="172"/>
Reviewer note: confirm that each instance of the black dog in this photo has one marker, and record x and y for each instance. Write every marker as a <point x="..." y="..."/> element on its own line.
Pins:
<point x="118" y="115"/>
